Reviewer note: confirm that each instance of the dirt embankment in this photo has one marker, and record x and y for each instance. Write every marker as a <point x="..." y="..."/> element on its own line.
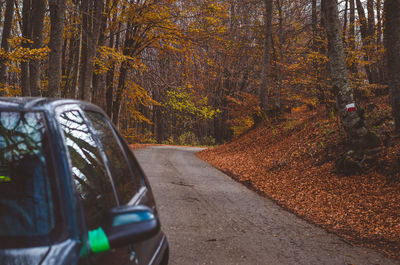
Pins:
<point x="293" y="163"/>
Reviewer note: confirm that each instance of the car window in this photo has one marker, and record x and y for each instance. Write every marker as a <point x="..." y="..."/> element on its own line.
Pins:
<point x="120" y="169"/>
<point x="90" y="177"/>
<point x="27" y="206"/>
<point x="135" y="165"/>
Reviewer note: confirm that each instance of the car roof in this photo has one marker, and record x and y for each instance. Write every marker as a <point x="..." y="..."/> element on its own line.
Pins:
<point x="40" y="103"/>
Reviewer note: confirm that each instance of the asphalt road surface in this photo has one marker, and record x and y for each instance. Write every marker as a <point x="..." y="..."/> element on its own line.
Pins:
<point x="211" y="219"/>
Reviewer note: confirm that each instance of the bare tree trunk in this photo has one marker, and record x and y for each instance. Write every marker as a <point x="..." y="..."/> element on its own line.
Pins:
<point x="279" y="73"/>
<point x="38" y="10"/>
<point x="371" y="40"/>
<point x="75" y="68"/>
<point x="4" y="42"/>
<point x="381" y="63"/>
<point x="116" y="106"/>
<point x="26" y="33"/>
<point x="111" y="73"/>
<point x="364" y="37"/>
<point x="263" y="89"/>
<point x="71" y="69"/>
<point x="85" y="74"/>
<point x="91" y="12"/>
<point x="379" y="22"/>
<point x="99" y="22"/>
<point x="392" y="43"/>
<point x="352" y="122"/>
<point x="345" y="21"/>
<point x="353" y="67"/>
<point x="118" y="94"/>
<point x="99" y="80"/>
<point x="367" y="36"/>
<point x="314" y="22"/>
<point x="371" y="18"/>
<point x="57" y="13"/>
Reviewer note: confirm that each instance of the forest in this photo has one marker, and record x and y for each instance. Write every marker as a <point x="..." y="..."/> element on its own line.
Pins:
<point x="205" y="71"/>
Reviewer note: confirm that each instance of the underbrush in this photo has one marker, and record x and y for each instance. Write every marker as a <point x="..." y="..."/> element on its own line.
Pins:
<point x="190" y="139"/>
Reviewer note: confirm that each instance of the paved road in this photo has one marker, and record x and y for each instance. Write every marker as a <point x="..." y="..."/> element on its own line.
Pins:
<point x="211" y="219"/>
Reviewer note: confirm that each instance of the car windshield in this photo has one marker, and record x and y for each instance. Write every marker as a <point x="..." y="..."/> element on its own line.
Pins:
<point x="26" y="204"/>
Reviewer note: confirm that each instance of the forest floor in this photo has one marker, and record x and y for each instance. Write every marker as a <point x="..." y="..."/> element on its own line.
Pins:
<point x="294" y="162"/>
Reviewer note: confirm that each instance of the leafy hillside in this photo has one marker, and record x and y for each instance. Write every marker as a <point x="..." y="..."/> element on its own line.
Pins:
<point x="301" y="163"/>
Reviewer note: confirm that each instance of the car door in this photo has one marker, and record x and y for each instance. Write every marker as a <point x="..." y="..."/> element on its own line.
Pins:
<point x="131" y="186"/>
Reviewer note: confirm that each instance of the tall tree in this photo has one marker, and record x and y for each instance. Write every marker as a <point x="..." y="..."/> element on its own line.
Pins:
<point x="91" y="21"/>
<point x="371" y="18"/>
<point x="346" y="9"/>
<point x="352" y="35"/>
<point x="71" y="69"/>
<point x="38" y="10"/>
<point x="57" y="14"/>
<point x="100" y="79"/>
<point x="364" y="38"/>
<point x="392" y="43"/>
<point x="379" y="31"/>
<point x="351" y="120"/>
<point x="266" y="64"/>
<point x="26" y="34"/>
<point x="9" y="13"/>
<point x="314" y="23"/>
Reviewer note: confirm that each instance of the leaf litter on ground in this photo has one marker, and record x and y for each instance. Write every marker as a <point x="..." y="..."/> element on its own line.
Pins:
<point x="295" y="167"/>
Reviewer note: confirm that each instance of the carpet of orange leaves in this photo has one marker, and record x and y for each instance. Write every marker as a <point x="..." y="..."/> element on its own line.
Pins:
<point x="293" y="163"/>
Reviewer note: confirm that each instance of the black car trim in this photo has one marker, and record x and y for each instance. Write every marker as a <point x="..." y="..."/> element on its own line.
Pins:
<point x="159" y="253"/>
<point x="138" y="196"/>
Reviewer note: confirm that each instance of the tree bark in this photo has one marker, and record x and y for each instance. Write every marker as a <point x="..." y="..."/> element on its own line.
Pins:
<point x="314" y="22"/>
<point x="371" y="18"/>
<point x="111" y="72"/>
<point x="118" y="95"/>
<point x="9" y="13"/>
<point x="116" y="106"/>
<point x="263" y="89"/>
<point x="75" y="68"/>
<point x="372" y="40"/>
<point x="364" y="38"/>
<point x="85" y="74"/>
<point x="91" y="12"/>
<point x="381" y="62"/>
<point x="352" y="35"/>
<point x="26" y="34"/>
<point x="57" y="14"/>
<point x="99" y="80"/>
<point x="71" y="69"/>
<point x="346" y="10"/>
<point x="38" y="10"/>
<point x="352" y="122"/>
<point x="378" y="22"/>
<point x="392" y="43"/>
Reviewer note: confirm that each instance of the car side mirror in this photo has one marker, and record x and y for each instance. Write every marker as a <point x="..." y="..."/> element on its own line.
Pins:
<point x="125" y="225"/>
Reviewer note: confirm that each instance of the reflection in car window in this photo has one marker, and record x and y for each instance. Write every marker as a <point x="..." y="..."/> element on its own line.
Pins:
<point x="120" y="169"/>
<point x="26" y="205"/>
<point x="90" y="177"/>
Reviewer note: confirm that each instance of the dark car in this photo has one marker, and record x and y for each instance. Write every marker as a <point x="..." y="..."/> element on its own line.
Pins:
<point x="71" y="190"/>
